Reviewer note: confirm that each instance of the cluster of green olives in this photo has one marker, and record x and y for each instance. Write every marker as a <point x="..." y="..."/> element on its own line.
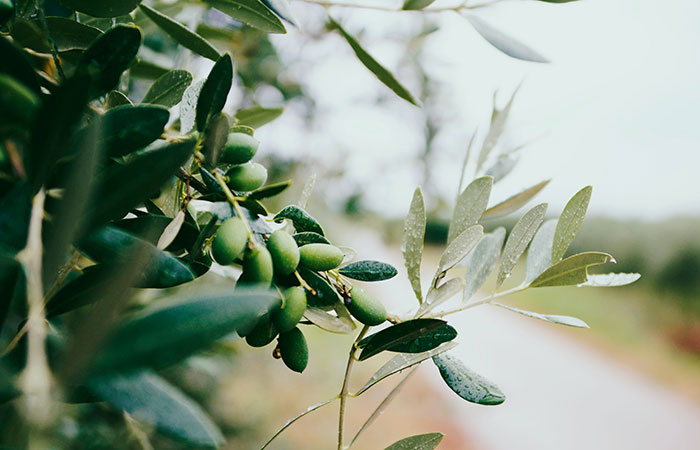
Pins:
<point x="273" y="261"/>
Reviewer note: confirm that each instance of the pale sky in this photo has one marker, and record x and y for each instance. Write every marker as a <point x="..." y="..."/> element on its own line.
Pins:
<point x="618" y="105"/>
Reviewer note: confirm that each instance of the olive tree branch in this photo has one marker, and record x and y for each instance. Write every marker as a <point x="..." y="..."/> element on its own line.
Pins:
<point x="346" y="382"/>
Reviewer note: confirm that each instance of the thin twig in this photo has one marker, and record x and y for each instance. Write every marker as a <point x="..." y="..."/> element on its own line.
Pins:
<point x="346" y="382"/>
<point x="310" y="409"/>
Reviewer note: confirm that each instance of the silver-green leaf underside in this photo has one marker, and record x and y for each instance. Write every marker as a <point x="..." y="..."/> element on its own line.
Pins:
<point x="611" y="279"/>
<point x="539" y="255"/>
<point x="412" y="243"/>
<point x="571" y="271"/>
<point x="460" y="248"/>
<point x="560" y="320"/>
<point x="519" y="238"/>
<point x="470" y="206"/>
<point x="482" y="261"/>
<point x="469" y="385"/>
<point x="570" y="222"/>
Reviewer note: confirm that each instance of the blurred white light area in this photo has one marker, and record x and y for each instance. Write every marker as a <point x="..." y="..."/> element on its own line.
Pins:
<point x="617" y="108"/>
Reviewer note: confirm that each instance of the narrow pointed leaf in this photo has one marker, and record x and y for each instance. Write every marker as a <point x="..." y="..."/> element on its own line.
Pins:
<point x="270" y="190"/>
<point x="309" y="237"/>
<point x="282" y="9"/>
<point x="68" y="34"/>
<point x="441" y="294"/>
<point x="571" y="271"/>
<point x="469" y="385"/>
<point x="115" y="99"/>
<point x="403" y="361"/>
<point x="499" y="118"/>
<point x="302" y="220"/>
<point x="412" y="242"/>
<point x="539" y="256"/>
<point x="426" y="342"/>
<point x="570" y="222"/>
<point x="503" y="42"/>
<point x="401" y="333"/>
<point x="257" y="116"/>
<point x="17" y="64"/>
<point x="329" y="322"/>
<point x="386" y="77"/>
<point x="470" y="206"/>
<point x="171" y="231"/>
<point x="250" y="12"/>
<point x="324" y="295"/>
<point x="482" y="261"/>
<point x="151" y="399"/>
<point x="183" y="35"/>
<point x="560" y="320"/>
<point x="515" y="202"/>
<point x="367" y="270"/>
<point x="168" y="89"/>
<point x="427" y="441"/>
<point x="415" y="5"/>
<point x="188" y="106"/>
<point x="460" y="248"/>
<point x="611" y="279"/>
<point x="109" y="56"/>
<point x="520" y="236"/>
<point x="102" y="8"/>
<point x="171" y="331"/>
<point x="502" y="167"/>
<point x="212" y="97"/>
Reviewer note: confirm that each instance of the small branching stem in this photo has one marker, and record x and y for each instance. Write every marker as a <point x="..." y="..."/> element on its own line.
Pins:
<point x="346" y="384"/>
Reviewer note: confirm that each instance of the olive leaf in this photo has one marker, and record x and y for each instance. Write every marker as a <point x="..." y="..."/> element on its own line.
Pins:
<point x="499" y="118"/>
<point x="270" y="190"/>
<point x="401" y="334"/>
<point x="427" y="441"/>
<point x="102" y="8"/>
<point x="68" y="34"/>
<point x="514" y="202"/>
<point x="460" y="248"/>
<point x="469" y="385"/>
<point x="109" y="56"/>
<point x="367" y="270"/>
<point x="570" y="222"/>
<point x="302" y="220"/>
<point x="324" y="295"/>
<point x="539" y="255"/>
<point x="184" y="36"/>
<point x="257" y="116"/>
<point x="439" y="295"/>
<point x="519" y="238"/>
<point x="329" y="322"/>
<point x="114" y="99"/>
<point x="412" y="241"/>
<point x="470" y="206"/>
<point x="416" y="4"/>
<point x="168" y="89"/>
<point x="611" y="279"/>
<point x="309" y="237"/>
<point x="150" y="398"/>
<point x="503" y="42"/>
<point x="215" y="89"/>
<point x="482" y="261"/>
<point x="370" y="63"/>
<point x="560" y="320"/>
<point x="571" y="271"/>
<point x="17" y="64"/>
<point x="250" y="12"/>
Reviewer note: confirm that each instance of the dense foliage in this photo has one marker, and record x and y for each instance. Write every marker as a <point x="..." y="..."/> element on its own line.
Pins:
<point x="107" y="204"/>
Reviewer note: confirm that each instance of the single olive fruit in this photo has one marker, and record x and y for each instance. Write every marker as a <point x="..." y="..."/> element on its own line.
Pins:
<point x="263" y="333"/>
<point x="17" y="102"/>
<point x="293" y="310"/>
<point x="257" y="267"/>
<point x="239" y="148"/>
<point x="320" y="257"/>
<point x="284" y="251"/>
<point x="229" y="242"/>
<point x="365" y="307"/>
<point x="246" y="177"/>
<point x="293" y="349"/>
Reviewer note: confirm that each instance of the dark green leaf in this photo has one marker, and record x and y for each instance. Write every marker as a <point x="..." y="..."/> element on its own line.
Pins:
<point x="184" y="36"/>
<point x="426" y="342"/>
<point x="10" y="275"/>
<point x="503" y="42"/>
<point x="212" y="97"/>
<point x="215" y="137"/>
<point x="147" y="70"/>
<point x="176" y="329"/>
<point x="399" y="334"/>
<point x="30" y="35"/>
<point x="427" y="441"/>
<point x="111" y="245"/>
<point x="282" y="9"/>
<point x="416" y="4"/>
<point x="116" y="98"/>
<point x="309" y="237"/>
<point x="150" y="399"/>
<point x="369" y="271"/>
<point x="15" y="62"/>
<point x="254" y="207"/>
<point x="302" y="220"/>
<point x="123" y="187"/>
<point x="71" y="35"/>
<point x="270" y="190"/>
<point x="467" y="384"/>
<point x="250" y="12"/>
<point x="102" y="8"/>
<point x="150" y="226"/>
<point x="257" y="116"/>
<point x="109" y="56"/>
<point x="168" y="89"/>
<point x="571" y="271"/>
<point x="15" y="209"/>
<point x="570" y="222"/>
<point x="324" y="295"/>
<point x="88" y="288"/>
<point x="370" y="63"/>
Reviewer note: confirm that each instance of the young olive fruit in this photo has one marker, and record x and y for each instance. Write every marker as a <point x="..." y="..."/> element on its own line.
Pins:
<point x="239" y="148"/>
<point x="293" y="310"/>
<point x="365" y="307"/>
<point x="321" y="257"/>
<point x="246" y="177"/>
<point x="293" y="349"/>
<point x="257" y="267"/>
<point x="229" y="242"/>
<point x="263" y="333"/>
<point x="284" y="251"/>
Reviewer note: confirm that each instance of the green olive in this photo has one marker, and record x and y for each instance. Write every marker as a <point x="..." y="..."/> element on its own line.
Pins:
<point x="239" y="148"/>
<point x="263" y="333"/>
<point x="284" y="251"/>
<point x="257" y="267"/>
<point x="229" y="242"/>
<point x="293" y="310"/>
<point x="293" y="349"/>
<point x="321" y="257"/>
<point x="16" y="100"/>
<point x="246" y="177"/>
<point x="365" y="307"/>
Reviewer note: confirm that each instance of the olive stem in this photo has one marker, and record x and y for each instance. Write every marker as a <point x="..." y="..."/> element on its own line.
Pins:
<point x="310" y="409"/>
<point x="304" y="284"/>
<point x="346" y="381"/>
